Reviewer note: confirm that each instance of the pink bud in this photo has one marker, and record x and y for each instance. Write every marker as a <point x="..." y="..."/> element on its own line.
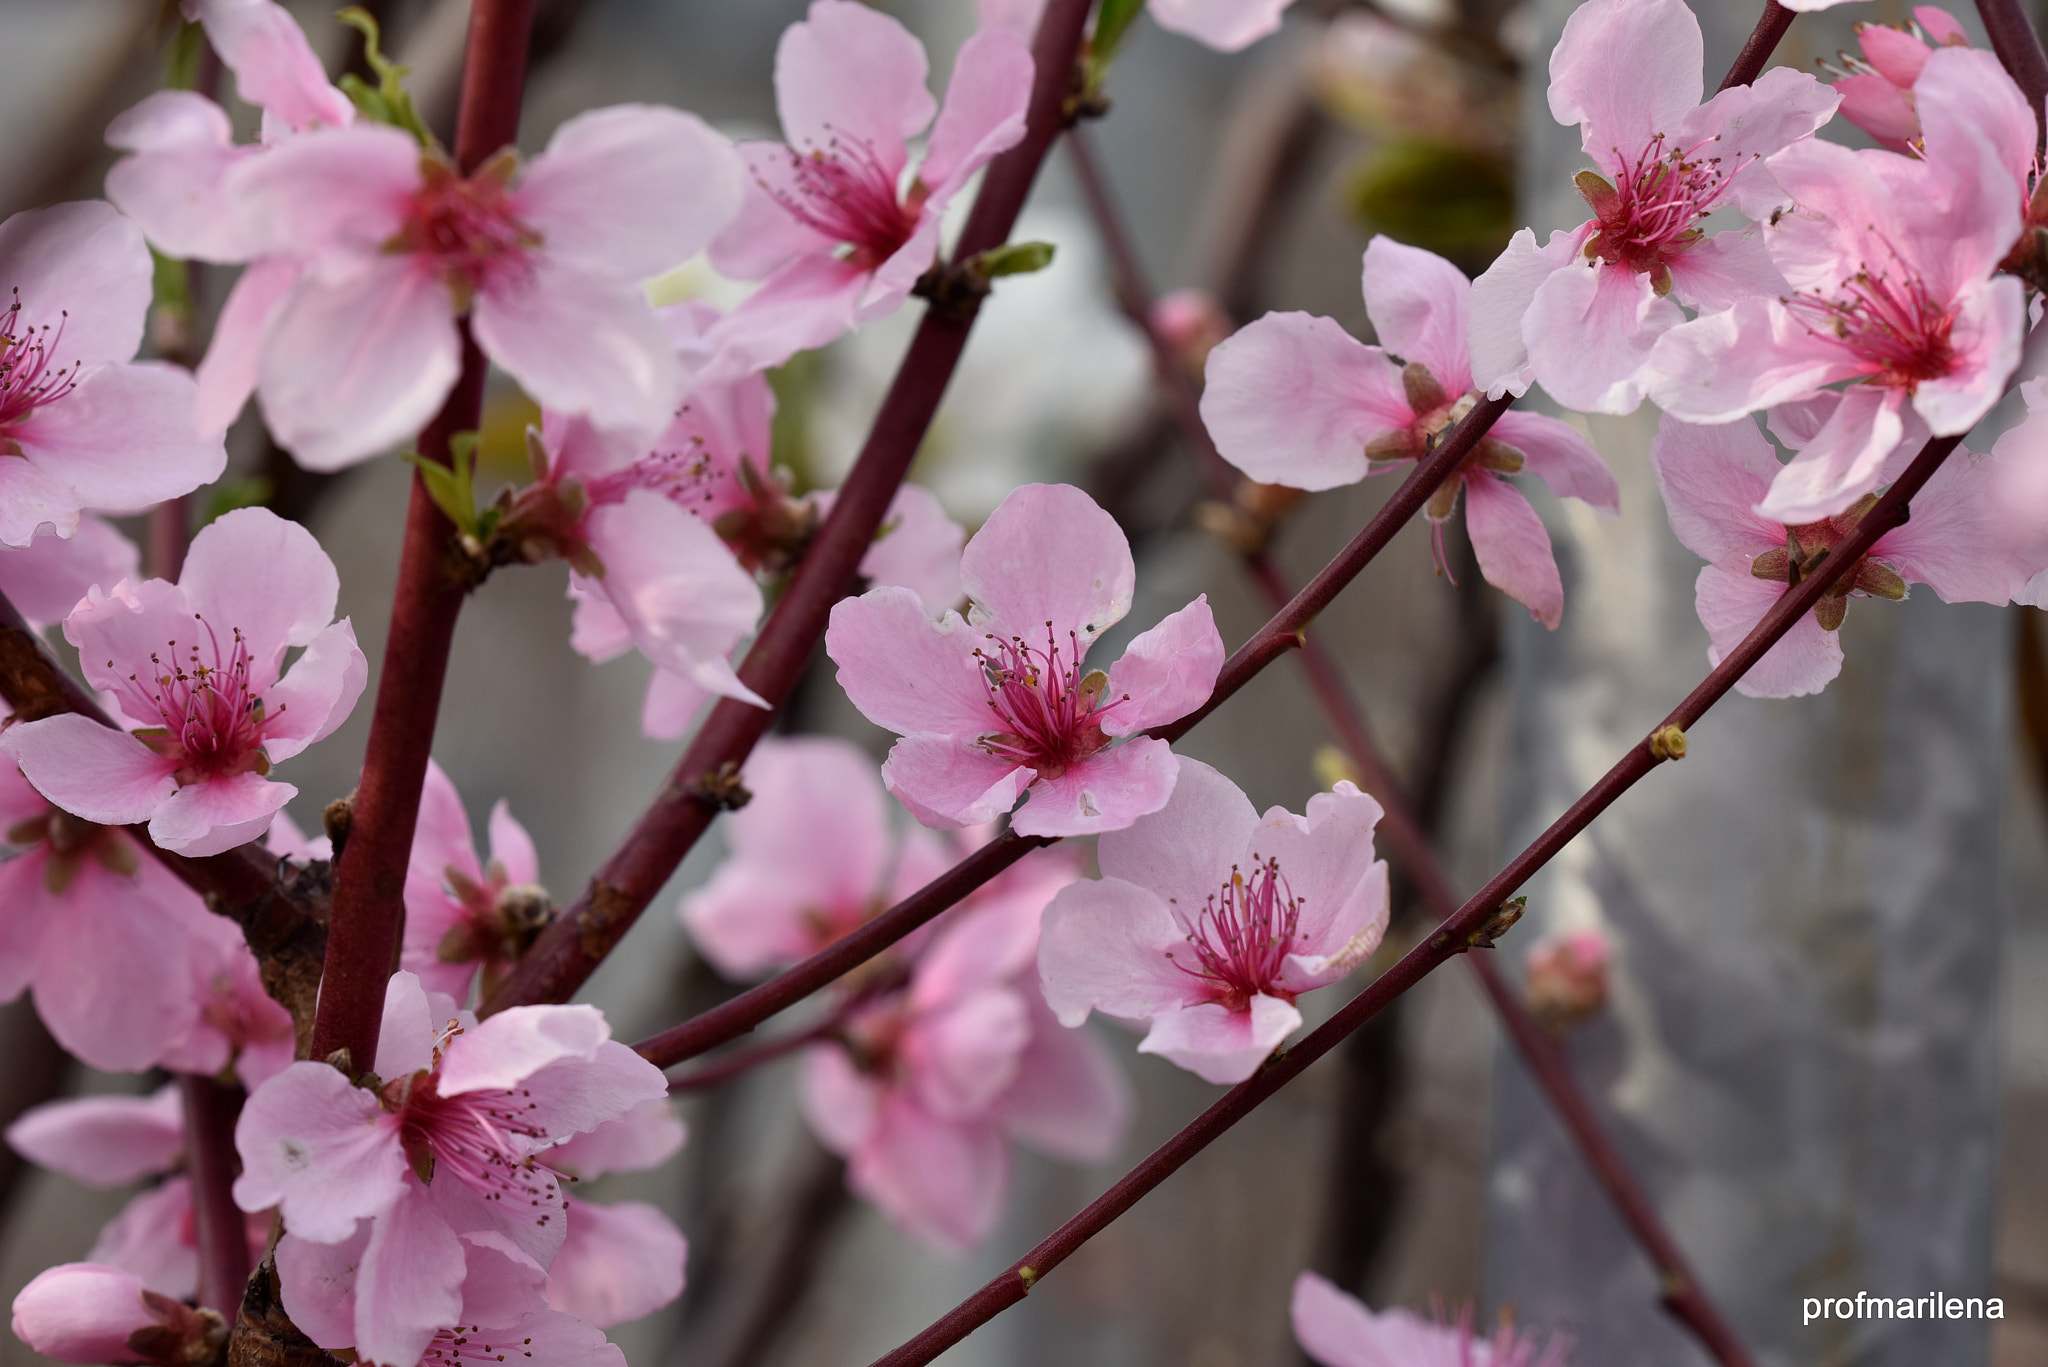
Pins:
<point x="82" y="1312"/>
<point x="1192" y="323"/>
<point x="1568" y="978"/>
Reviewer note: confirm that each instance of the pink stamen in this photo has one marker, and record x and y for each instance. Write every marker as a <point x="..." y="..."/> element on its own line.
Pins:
<point x="29" y="377"/>
<point x="465" y="230"/>
<point x="1243" y="935"/>
<point x="1896" y="327"/>
<point x="1656" y="209"/>
<point x="842" y="192"/>
<point x="473" y="1138"/>
<point x="1050" y="720"/>
<point x="210" y="713"/>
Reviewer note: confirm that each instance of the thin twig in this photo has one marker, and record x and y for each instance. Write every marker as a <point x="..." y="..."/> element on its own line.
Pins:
<point x="1757" y="50"/>
<point x="573" y="946"/>
<point x="211" y="1108"/>
<point x="740" y="1062"/>
<point x="369" y="891"/>
<point x="1456" y="935"/>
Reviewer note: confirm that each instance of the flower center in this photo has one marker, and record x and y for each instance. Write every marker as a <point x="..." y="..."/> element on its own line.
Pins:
<point x="212" y="718"/>
<point x="476" y="1139"/>
<point x="1242" y="936"/>
<point x="1896" y="327"/>
<point x="1655" y="212"/>
<point x="1051" y="713"/>
<point x="29" y="376"/>
<point x="464" y="227"/>
<point x="843" y="192"/>
<point x="1807" y="551"/>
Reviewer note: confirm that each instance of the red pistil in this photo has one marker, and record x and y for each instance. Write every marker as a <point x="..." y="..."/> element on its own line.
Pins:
<point x="1243" y="935"/>
<point x="1050" y="712"/>
<point x="29" y="375"/>
<point x="212" y="719"/>
<point x="1654" y="213"/>
<point x="464" y="226"/>
<point x="1894" y="326"/>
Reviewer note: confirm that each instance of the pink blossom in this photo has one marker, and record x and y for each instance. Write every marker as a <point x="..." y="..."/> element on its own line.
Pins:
<point x="830" y="223"/>
<point x="82" y="424"/>
<point x="198" y="663"/>
<point x="237" y="1024"/>
<point x="811" y="859"/>
<point x="1001" y="703"/>
<point x="450" y="1141"/>
<point x="285" y="840"/>
<point x="1712" y="478"/>
<point x="1581" y="313"/>
<point x="1877" y="91"/>
<point x="45" y="579"/>
<point x="1225" y="25"/>
<point x="1293" y="399"/>
<point x="1891" y="263"/>
<point x="463" y="915"/>
<point x="928" y="1085"/>
<point x="2020" y="495"/>
<point x="105" y="935"/>
<point x="83" y="1312"/>
<point x="1210" y="920"/>
<point x="624" y="1260"/>
<point x="499" y="1310"/>
<point x="374" y="249"/>
<point x="1337" y="1330"/>
<point x="1567" y="981"/>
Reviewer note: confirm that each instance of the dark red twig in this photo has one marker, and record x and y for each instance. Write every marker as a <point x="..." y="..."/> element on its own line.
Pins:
<point x="211" y="1109"/>
<point x="369" y="889"/>
<point x="573" y="946"/>
<point x="2018" y="48"/>
<point x="1757" y="50"/>
<point x="1454" y="936"/>
<point x="740" y="1062"/>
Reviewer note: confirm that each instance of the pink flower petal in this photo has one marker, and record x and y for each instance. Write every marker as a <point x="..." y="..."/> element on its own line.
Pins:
<point x="45" y="579"/>
<point x="358" y="361"/>
<point x="619" y="1263"/>
<point x="630" y="191"/>
<point x="1755" y="355"/>
<point x="764" y="235"/>
<point x="1626" y="70"/>
<point x="848" y="73"/>
<point x="275" y="67"/>
<point x="1418" y="305"/>
<point x="1220" y="1045"/>
<point x="621" y="372"/>
<point x="1069" y="1099"/>
<point x="1512" y="547"/>
<point x="318" y="1282"/>
<point x="577" y="1092"/>
<point x="409" y="1283"/>
<point x="90" y="770"/>
<point x="1225" y="25"/>
<point x="84" y="265"/>
<point x="941" y="1181"/>
<point x="1049" y="558"/>
<point x="841" y="1104"/>
<point x="905" y="671"/>
<point x="645" y="1137"/>
<point x="807" y="303"/>
<point x="1191" y="844"/>
<point x="1107" y="945"/>
<point x="511" y="847"/>
<point x="338" y="188"/>
<point x="289" y="603"/>
<point x="504" y="1050"/>
<point x="1590" y="329"/>
<point x="124" y="438"/>
<point x="103" y="1141"/>
<point x="1294" y="399"/>
<point x="217" y="814"/>
<point x="1951" y="542"/>
<point x="1724" y="270"/>
<point x="1880" y="109"/>
<point x="983" y="114"/>
<point x="963" y="1055"/>
<point x="145" y="1239"/>
<point x="405" y="1037"/>
<point x="227" y="374"/>
<point x="1166" y="672"/>
<point x="1843" y="461"/>
<point x="1105" y="792"/>
<point x="1326" y="856"/>
<point x="1731" y="601"/>
<point x="1749" y="123"/>
<point x="1556" y="454"/>
<point x="1500" y="300"/>
<point x="918" y="548"/>
<point x="82" y="1312"/>
<point x="1989" y="327"/>
<point x="174" y="185"/>
<point x="949" y="781"/>
<point x="316" y="696"/>
<point x="1338" y="1331"/>
<point x="1711" y="479"/>
<point x="1963" y="94"/>
<point x="322" y="1149"/>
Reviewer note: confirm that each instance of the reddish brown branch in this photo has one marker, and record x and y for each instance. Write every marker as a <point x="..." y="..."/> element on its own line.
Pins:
<point x="573" y="946"/>
<point x="211" y="1109"/>
<point x="1454" y="936"/>
<point x="2018" y="48"/>
<point x="369" y="888"/>
<point x="1757" y="50"/>
<point x="740" y="1062"/>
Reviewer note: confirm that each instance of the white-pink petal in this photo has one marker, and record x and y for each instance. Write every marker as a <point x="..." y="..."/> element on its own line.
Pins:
<point x="1294" y="399"/>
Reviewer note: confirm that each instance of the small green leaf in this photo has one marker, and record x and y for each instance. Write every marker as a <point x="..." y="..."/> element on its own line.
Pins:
<point x="1112" y="22"/>
<point x="181" y="68"/>
<point x="1014" y="258"/>
<point x="387" y="101"/>
<point x="230" y="494"/>
<point x="170" y="284"/>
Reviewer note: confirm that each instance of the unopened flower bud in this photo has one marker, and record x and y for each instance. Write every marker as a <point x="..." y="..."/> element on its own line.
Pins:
<point x="1568" y="978"/>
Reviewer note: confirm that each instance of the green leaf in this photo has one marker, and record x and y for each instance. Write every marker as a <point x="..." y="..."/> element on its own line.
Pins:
<point x="170" y="284"/>
<point x="387" y="101"/>
<point x="1112" y="21"/>
<point x="230" y="494"/>
<point x="1014" y="258"/>
<point x="181" y="68"/>
<point x="453" y="486"/>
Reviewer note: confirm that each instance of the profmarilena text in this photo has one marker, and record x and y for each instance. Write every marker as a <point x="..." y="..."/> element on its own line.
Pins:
<point x="1865" y="1306"/>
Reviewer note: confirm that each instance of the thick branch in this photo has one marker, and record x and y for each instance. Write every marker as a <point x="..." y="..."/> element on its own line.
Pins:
<point x="211" y="1109"/>
<point x="1762" y="42"/>
<point x="2018" y="47"/>
<point x="369" y="892"/>
<point x="573" y="946"/>
<point x="1454" y="936"/>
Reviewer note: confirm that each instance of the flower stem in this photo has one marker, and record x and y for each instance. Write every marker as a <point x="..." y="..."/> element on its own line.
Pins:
<point x="2018" y="47"/>
<point x="574" y="945"/>
<point x="369" y="890"/>
<point x="1757" y="50"/>
<point x="211" y="1108"/>
<point x="1452" y="937"/>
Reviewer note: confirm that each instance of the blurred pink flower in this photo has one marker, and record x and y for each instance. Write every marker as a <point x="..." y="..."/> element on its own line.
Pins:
<point x="452" y="1144"/>
<point x="1293" y="399"/>
<point x="626" y="1259"/>
<point x="1210" y="920"/>
<point x="1567" y="977"/>
<point x="1877" y="92"/>
<point x="1225" y="25"/>
<point x="46" y="579"/>
<point x="828" y="223"/>
<point x="1581" y="313"/>
<point x="1713" y="477"/>
<point x="84" y="1312"/>
<point x="197" y="662"/>
<point x="463" y="916"/>
<point x="82" y="424"/>
<point x="1337" y="1330"/>
<point x="1001" y="703"/>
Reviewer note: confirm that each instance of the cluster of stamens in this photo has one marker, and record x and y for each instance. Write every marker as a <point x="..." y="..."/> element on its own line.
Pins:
<point x="465" y="227"/>
<point x="1654" y="213"/>
<point x="1049" y="713"/>
<point x="1808" y="550"/>
<point x="843" y="192"/>
<point x="466" y="1343"/>
<point x="212" y="717"/>
<point x="475" y="1139"/>
<point x="1894" y="326"/>
<point x="29" y="374"/>
<point x="1241" y="938"/>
